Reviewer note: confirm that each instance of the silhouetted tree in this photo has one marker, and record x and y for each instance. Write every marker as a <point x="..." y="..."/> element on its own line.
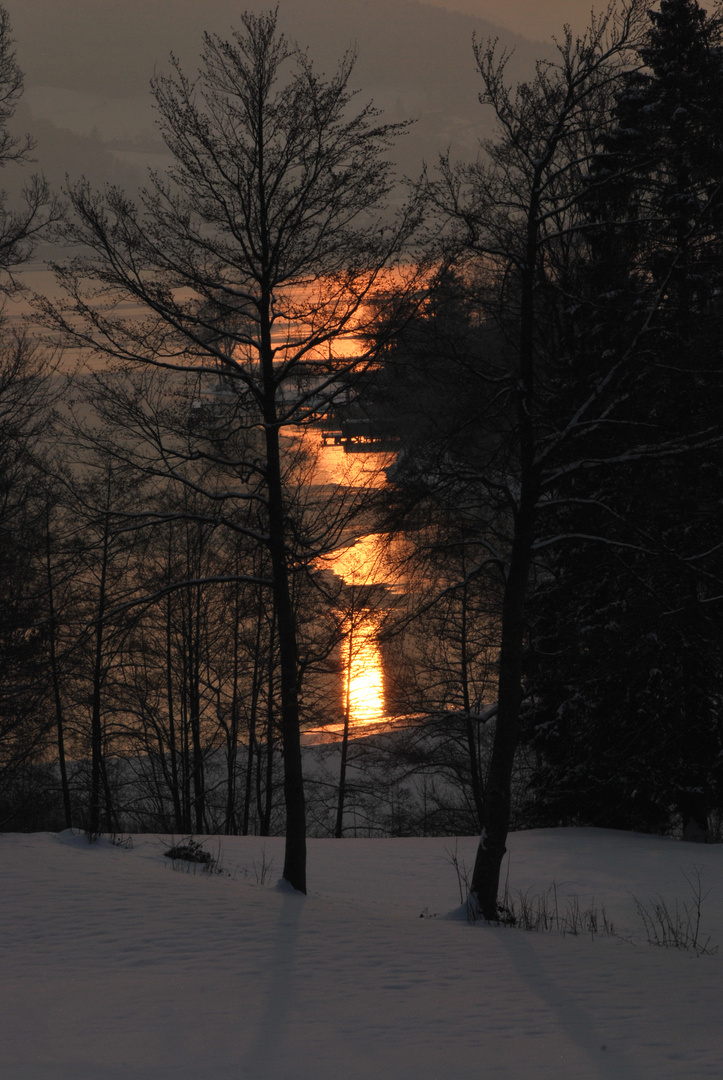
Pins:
<point x="519" y="210"/>
<point x="251" y="260"/>
<point x="627" y="680"/>
<point x="24" y="402"/>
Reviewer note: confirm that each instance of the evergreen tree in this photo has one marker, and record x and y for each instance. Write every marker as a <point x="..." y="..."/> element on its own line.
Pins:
<point x="628" y="656"/>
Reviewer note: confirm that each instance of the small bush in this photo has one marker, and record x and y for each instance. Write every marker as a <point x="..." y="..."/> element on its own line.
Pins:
<point x="672" y="925"/>
<point x="191" y="853"/>
<point x="543" y="913"/>
<point x="462" y="871"/>
<point x="122" y="840"/>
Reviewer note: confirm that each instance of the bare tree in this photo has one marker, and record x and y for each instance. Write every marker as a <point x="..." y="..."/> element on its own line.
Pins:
<point x="24" y="413"/>
<point x="518" y="213"/>
<point x="251" y="261"/>
<point x="19" y="228"/>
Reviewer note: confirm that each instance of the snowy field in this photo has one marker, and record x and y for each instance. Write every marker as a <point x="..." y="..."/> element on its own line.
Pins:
<point x="113" y="966"/>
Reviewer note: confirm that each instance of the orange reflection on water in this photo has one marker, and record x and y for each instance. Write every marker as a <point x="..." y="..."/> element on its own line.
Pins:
<point x="362" y="562"/>
<point x="333" y="465"/>
<point x="362" y="670"/>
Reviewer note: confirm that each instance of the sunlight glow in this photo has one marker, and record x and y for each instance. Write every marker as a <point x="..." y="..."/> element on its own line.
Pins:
<point x="334" y="466"/>
<point x="363" y="676"/>
<point x="359" y="563"/>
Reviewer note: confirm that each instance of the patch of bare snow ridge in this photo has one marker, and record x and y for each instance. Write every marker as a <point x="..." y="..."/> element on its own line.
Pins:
<point x="113" y="966"/>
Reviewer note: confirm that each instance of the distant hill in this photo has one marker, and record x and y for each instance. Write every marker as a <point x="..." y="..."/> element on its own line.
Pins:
<point x="112" y="46"/>
<point x="88" y="64"/>
<point x="539" y="19"/>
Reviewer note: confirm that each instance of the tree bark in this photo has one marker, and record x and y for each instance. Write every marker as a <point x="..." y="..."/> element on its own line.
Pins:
<point x="295" y="849"/>
<point x="339" y="827"/>
<point x="96" y="724"/>
<point x="492" y="845"/>
<point x="55" y="675"/>
<point x="498" y="795"/>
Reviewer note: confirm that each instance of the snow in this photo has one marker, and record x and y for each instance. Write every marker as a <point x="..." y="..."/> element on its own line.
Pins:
<point x="115" y="966"/>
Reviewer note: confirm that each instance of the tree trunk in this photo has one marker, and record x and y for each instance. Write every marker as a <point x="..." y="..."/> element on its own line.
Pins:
<point x="96" y="725"/>
<point x="339" y="828"/>
<point x="498" y="795"/>
<point x="492" y="845"/>
<point x="55" y="675"/>
<point x="172" y="749"/>
<point x="230" y="825"/>
<point x="253" y="713"/>
<point x="265" y="804"/>
<point x="295" y="850"/>
<point x="472" y="737"/>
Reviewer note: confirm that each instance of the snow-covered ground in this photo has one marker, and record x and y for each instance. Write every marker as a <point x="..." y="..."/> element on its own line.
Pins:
<point x="113" y="966"/>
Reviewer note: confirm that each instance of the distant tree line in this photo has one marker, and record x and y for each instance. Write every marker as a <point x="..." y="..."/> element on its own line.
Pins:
<point x="542" y="330"/>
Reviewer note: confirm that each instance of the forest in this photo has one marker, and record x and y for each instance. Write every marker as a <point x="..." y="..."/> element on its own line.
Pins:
<point x="534" y="340"/>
